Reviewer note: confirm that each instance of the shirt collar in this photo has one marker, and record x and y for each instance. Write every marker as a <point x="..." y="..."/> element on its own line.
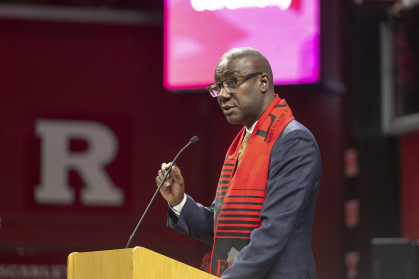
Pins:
<point x="251" y="128"/>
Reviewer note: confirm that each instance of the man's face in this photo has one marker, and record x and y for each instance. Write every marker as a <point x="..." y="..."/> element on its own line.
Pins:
<point x="244" y="105"/>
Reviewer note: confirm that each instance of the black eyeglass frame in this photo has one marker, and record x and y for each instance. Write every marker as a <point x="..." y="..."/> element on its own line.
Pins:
<point x="235" y="79"/>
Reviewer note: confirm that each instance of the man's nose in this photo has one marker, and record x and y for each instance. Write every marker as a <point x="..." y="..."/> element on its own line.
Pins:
<point x="223" y="94"/>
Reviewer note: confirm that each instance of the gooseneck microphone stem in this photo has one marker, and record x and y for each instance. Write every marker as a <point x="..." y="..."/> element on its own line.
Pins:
<point x="192" y="141"/>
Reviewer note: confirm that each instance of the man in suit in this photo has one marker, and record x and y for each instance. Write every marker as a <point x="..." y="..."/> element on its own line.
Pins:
<point x="260" y="222"/>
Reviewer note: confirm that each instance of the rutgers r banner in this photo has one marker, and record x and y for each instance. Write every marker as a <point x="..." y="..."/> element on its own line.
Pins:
<point x="78" y="163"/>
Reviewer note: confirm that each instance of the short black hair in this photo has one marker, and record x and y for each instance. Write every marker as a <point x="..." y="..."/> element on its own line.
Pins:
<point x="248" y="52"/>
<point x="242" y="51"/>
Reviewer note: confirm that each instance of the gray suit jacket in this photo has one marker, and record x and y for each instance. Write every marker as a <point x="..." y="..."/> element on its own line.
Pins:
<point x="281" y="247"/>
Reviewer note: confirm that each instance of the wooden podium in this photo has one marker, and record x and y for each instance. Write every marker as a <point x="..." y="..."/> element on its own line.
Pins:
<point x="133" y="263"/>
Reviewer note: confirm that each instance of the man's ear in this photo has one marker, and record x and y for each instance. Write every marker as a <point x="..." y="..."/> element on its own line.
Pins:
<point x="264" y="84"/>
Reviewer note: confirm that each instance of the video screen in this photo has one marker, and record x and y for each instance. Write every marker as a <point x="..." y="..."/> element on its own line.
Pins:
<point x="198" y="32"/>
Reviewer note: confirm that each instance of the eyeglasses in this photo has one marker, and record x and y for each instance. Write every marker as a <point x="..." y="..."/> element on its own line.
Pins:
<point x="229" y="85"/>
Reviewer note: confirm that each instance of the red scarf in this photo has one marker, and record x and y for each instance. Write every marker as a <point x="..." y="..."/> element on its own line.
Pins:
<point x="240" y="195"/>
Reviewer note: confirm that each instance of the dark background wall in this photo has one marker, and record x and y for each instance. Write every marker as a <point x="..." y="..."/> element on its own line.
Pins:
<point x="111" y="73"/>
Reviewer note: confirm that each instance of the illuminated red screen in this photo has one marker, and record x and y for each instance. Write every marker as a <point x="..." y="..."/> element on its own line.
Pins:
<point x="199" y="32"/>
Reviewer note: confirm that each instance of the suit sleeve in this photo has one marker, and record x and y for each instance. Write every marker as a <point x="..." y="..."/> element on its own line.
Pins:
<point x="195" y="220"/>
<point x="294" y="170"/>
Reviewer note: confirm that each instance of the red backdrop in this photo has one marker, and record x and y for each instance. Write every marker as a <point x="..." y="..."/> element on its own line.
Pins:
<point x="409" y="157"/>
<point x="113" y="75"/>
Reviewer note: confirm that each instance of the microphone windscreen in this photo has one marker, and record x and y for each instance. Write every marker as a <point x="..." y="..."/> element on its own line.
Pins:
<point x="194" y="139"/>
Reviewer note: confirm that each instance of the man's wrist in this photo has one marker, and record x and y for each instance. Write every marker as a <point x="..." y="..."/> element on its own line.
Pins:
<point x="178" y="208"/>
<point x="177" y="202"/>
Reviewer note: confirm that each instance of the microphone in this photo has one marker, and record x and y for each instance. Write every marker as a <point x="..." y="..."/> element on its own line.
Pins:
<point x="193" y="140"/>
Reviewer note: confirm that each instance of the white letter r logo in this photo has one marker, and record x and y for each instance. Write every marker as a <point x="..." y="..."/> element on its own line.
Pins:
<point x="56" y="160"/>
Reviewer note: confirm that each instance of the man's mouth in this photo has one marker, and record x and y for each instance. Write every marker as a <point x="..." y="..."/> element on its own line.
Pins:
<point x="228" y="109"/>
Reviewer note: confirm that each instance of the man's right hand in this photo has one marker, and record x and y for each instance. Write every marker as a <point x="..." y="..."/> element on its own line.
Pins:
<point x="173" y="189"/>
